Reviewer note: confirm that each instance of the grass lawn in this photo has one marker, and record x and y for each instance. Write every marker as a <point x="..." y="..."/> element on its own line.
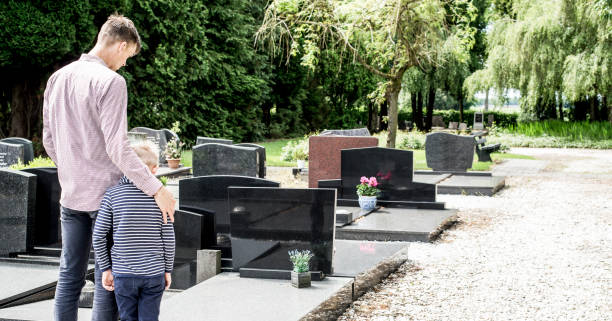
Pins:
<point x="273" y="156"/>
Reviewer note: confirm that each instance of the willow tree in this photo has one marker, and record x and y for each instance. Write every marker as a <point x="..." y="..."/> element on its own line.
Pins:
<point x="387" y="37"/>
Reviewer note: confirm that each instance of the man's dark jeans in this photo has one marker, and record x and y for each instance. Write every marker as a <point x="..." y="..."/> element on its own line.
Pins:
<point x="77" y="229"/>
<point x="139" y="298"/>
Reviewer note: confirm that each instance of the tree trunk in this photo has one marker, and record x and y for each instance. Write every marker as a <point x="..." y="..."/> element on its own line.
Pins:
<point x="460" y="99"/>
<point x="392" y="95"/>
<point x="486" y="102"/>
<point x="604" y="100"/>
<point x="431" y="98"/>
<point x="560" y="101"/>
<point x="593" y="108"/>
<point x="26" y="106"/>
<point x="419" y="111"/>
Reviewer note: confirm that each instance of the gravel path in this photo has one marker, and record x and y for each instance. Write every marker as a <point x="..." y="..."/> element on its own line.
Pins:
<point x="541" y="249"/>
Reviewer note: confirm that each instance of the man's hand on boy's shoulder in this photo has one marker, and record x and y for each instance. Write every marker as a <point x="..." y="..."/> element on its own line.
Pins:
<point x="168" y="278"/>
<point x="107" y="280"/>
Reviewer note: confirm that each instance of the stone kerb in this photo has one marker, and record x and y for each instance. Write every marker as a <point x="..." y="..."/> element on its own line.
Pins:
<point x="324" y="152"/>
<point x="17" y="201"/>
<point x="447" y="152"/>
<point x="221" y="159"/>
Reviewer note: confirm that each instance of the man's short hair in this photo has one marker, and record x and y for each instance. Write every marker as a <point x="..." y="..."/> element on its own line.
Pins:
<point x="147" y="154"/>
<point x="119" y="28"/>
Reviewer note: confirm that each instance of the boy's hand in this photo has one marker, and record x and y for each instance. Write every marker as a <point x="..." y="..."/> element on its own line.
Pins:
<point x="168" y="280"/>
<point x="107" y="280"/>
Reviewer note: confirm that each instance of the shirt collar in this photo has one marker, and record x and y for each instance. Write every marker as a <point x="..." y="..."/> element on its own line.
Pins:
<point x="124" y="180"/>
<point x="93" y="58"/>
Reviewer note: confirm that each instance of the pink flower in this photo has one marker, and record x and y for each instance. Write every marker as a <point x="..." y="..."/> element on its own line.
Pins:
<point x="373" y="181"/>
<point x="364" y="180"/>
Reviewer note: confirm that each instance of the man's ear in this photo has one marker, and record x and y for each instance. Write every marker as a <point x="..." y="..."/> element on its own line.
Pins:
<point x="122" y="46"/>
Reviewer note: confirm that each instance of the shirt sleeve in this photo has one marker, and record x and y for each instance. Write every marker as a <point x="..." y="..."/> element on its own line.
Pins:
<point x="168" y="240"/>
<point x="102" y="231"/>
<point x="47" y="133"/>
<point x="112" y="108"/>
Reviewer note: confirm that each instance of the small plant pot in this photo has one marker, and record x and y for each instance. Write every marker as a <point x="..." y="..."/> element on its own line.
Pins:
<point x="173" y="163"/>
<point x="367" y="203"/>
<point x="301" y="163"/>
<point x="300" y="280"/>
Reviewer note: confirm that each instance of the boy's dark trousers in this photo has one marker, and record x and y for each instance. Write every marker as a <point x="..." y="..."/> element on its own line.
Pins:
<point x="138" y="298"/>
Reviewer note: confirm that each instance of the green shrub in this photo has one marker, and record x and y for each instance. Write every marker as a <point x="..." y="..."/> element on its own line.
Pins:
<point x="36" y="162"/>
<point x="295" y="150"/>
<point x="411" y="140"/>
<point x="556" y="128"/>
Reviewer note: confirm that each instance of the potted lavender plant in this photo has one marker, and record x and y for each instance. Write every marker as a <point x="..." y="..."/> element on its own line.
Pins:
<point x="300" y="276"/>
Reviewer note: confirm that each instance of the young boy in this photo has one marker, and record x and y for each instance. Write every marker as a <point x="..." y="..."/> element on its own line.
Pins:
<point x="142" y="253"/>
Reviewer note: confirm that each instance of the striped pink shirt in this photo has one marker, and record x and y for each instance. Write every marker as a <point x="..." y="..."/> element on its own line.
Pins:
<point x="85" y="133"/>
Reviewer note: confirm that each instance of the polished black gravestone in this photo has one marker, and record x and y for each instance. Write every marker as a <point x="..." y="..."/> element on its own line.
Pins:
<point x="478" y="120"/>
<point x="266" y="223"/>
<point x="17" y="205"/>
<point x="28" y="149"/>
<point x="220" y="159"/>
<point x="393" y="169"/>
<point x="209" y="140"/>
<point x="158" y="137"/>
<point x="262" y="157"/>
<point x="346" y="132"/>
<point x="192" y="232"/>
<point x="47" y="227"/>
<point x="10" y="154"/>
<point x="447" y="152"/>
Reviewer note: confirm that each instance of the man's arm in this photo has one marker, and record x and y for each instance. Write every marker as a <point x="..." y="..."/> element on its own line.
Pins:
<point x="102" y="230"/>
<point x="112" y="107"/>
<point x="47" y="136"/>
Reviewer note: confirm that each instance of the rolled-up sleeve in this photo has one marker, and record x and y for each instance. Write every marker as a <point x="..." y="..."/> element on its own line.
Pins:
<point x="112" y="108"/>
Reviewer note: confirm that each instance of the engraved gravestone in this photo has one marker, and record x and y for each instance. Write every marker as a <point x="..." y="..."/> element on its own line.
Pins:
<point x="136" y="138"/>
<point x="478" y="120"/>
<point x="449" y="152"/>
<point x="262" y="157"/>
<point x="490" y="120"/>
<point x="220" y="159"/>
<point x="28" y="149"/>
<point x="17" y="201"/>
<point x="209" y="140"/>
<point x="157" y="137"/>
<point x="438" y="121"/>
<point x="10" y="154"/>
<point x="453" y="125"/>
<point x="346" y="132"/>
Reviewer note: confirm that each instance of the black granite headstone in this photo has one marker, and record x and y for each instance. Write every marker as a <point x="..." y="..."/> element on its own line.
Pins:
<point x="47" y="226"/>
<point x="262" y="157"/>
<point x="446" y="152"/>
<point x="28" y="149"/>
<point x="478" y="120"/>
<point x="158" y="137"/>
<point x="10" y="154"/>
<point x="346" y="132"/>
<point x="268" y="222"/>
<point x="209" y="193"/>
<point x="17" y="204"/>
<point x="209" y="140"/>
<point x="220" y="159"/>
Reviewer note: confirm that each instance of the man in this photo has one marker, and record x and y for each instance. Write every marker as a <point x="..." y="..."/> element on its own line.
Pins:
<point x="85" y="133"/>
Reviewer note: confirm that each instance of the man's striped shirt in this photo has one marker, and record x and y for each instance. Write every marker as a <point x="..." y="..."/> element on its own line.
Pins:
<point x="142" y="244"/>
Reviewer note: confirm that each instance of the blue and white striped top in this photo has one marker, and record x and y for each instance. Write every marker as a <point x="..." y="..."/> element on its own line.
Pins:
<point x="143" y="246"/>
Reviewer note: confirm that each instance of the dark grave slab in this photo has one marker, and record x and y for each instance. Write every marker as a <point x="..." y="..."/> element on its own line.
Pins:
<point x="438" y="121"/>
<point x="220" y="159"/>
<point x="47" y="226"/>
<point x="490" y="120"/>
<point x="449" y="152"/>
<point x="210" y="140"/>
<point x="346" y="132"/>
<point x="478" y="121"/>
<point x="324" y="155"/>
<point x="10" y="154"/>
<point x="399" y="224"/>
<point x="262" y="157"/>
<point x="17" y="201"/>
<point x="28" y="149"/>
<point x="472" y="185"/>
<point x="356" y="256"/>
<point x="158" y="137"/>
<point x="209" y="193"/>
<point x="268" y="222"/>
<point x="393" y="169"/>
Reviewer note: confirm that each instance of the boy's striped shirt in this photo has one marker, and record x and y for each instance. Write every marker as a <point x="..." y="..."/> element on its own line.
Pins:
<point x="142" y="244"/>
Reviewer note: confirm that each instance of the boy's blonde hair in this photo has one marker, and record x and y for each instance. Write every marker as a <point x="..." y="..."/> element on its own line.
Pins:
<point x="119" y="28"/>
<point x="147" y="154"/>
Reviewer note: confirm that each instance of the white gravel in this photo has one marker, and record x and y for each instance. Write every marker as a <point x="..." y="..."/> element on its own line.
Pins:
<point x="541" y="249"/>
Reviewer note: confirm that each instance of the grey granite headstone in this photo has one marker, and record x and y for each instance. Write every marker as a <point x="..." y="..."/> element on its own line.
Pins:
<point x="262" y="157"/>
<point x="347" y="132"/>
<point x="158" y="137"/>
<point x="17" y="204"/>
<point x="208" y="140"/>
<point x="136" y="138"/>
<point x="170" y="135"/>
<point x="490" y="120"/>
<point x="462" y="126"/>
<point x="28" y="149"/>
<point x="478" y="120"/>
<point x="220" y="159"/>
<point x="438" y="121"/>
<point x="453" y="125"/>
<point x="10" y="154"/>
<point x="448" y="152"/>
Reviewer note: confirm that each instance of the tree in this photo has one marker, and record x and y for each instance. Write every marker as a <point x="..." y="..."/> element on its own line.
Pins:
<point x="386" y="37"/>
